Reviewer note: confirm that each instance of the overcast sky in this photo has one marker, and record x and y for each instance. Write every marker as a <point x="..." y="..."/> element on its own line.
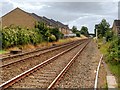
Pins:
<point x="73" y="12"/>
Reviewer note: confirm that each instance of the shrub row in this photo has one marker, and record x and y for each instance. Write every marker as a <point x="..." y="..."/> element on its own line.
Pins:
<point x="49" y="34"/>
<point x="114" y="49"/>
<point x="12" y="36"/>
<point x="15" y="35"/>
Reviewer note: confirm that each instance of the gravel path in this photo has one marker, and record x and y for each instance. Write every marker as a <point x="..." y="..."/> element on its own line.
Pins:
<point x="82" y="72"/>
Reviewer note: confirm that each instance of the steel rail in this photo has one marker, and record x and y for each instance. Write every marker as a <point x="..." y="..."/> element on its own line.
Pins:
<point x="24" y="74"/>
<point x="36" y="55"/>
<point x="97" y="73"/>
<point x="62" y="73"/>
<point x="25" y="53"/>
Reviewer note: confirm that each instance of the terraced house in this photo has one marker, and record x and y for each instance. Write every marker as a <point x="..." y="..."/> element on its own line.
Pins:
<point x="18" y="17"/>
<point x="116" y="27"/>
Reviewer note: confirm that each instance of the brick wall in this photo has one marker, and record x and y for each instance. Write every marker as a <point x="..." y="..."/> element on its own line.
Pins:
<point x="18" y="17"/>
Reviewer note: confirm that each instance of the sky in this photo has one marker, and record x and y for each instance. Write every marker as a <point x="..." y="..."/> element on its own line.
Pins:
<point x="71" y="12"/>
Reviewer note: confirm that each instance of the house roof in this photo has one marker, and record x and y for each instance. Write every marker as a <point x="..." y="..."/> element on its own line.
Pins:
<point x="61" y="24"/>
<point x="50" y="22"/>
<point x="117" y="22"/>
<point x="53" y="21"/>
<point x="38" y="18"/>
<point x="14" y="10"/>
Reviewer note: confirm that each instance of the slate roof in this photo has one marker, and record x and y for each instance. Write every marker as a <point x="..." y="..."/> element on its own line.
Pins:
<point x="44" y="19"/>
<point x="117" y="23"/>
<point x="48" y="20"/>
<point x="38" y="18"/>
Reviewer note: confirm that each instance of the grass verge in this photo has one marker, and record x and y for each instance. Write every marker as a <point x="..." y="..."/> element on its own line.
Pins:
<point x="113" y="65"/>
<point x="3" y="51"/>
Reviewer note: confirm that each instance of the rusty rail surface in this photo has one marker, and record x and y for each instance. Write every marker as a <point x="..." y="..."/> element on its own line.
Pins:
<point x="36" y="55"/>
<point x="32" y="70"/>
<point x="37" y="50"/>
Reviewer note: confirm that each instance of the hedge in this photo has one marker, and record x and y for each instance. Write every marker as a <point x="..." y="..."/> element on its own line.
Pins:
<point x="12" y="36"/>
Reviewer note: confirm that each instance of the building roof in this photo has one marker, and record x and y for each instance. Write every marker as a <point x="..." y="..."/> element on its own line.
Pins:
<point x="117" y="22"/>
<point x="48" y="20"/>
<point x="53" y="21"/>
<point x="35" y="16"/>
<point x="61" y="24"/>
<point x="44" y="19"/>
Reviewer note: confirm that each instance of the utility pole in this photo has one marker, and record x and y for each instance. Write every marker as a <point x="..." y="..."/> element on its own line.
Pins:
<point x="96" y="35"/>
<point x="96" y="31"/>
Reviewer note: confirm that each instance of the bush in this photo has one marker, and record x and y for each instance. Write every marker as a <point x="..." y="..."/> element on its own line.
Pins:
<point x="52" y="38"/>
<point x="114" y="50"/>
<point x="35" y="37"/>
<point x="48" y="32"/>
<point x="43" y="30"/>
<point x="12" y="36"/>
<point x="78" y="34"/>
<point x="56" y="33"/>
<point x="109" y="35"/>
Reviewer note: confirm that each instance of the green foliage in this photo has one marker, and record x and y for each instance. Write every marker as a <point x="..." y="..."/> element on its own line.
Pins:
<point x="114" y="50"/>
<point x="12" y="36"/>
<point x="78" y="34"/>
<point x="111" y="47"/>
<point x="109" y="35"/>
<point x="102" y="28"/>
<point x="52" y="38"/>
<point x="48" y="32"/>
<point x="74" y="29"/>
<point x="56" y="33"/>
<point x="43" y="30"/>
<point x="15" y="35"/>
<point x="84" y="31"/>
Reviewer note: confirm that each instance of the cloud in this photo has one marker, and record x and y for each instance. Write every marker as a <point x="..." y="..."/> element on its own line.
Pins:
<point x="64" y="1"/>
<point x="77" y="13"/>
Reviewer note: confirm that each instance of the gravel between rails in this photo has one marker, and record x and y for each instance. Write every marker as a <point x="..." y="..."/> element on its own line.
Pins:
<point x="45" y="75"/>
<point x="82" y="72"/>
<point x="17" y="58"/>
<point x="11" y="71"/>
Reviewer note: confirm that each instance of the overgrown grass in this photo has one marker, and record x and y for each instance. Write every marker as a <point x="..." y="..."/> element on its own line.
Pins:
<point x="105" y="86"/>
<point x="3" y="51"/>
<point x="113" y="65"/>
<point x="104" y="47"/>
<point x="114" y="68"/>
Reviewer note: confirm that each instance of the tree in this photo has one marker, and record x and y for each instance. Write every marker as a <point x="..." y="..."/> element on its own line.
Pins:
<point x="102" y="28"/>
<point x="56" y="33"/>
<point x="78" y="34"/>
<point x="43" y="30"/>
<point x="48" y="34"/>
<point x="109" y="35"/>
<point x="84" y="31"/>
<point x="74" y="29"/>
<point x="114" y="50"/>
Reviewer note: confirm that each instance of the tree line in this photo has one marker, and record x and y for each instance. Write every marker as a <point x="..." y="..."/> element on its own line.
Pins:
<point x="83" y="31"/>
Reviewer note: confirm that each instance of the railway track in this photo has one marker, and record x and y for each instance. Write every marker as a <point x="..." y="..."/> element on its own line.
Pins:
<point x="15" y="68"/>
<point x="47" y="73"/>
<point x="27" y="55"/>
<point x="8" y="56"/>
